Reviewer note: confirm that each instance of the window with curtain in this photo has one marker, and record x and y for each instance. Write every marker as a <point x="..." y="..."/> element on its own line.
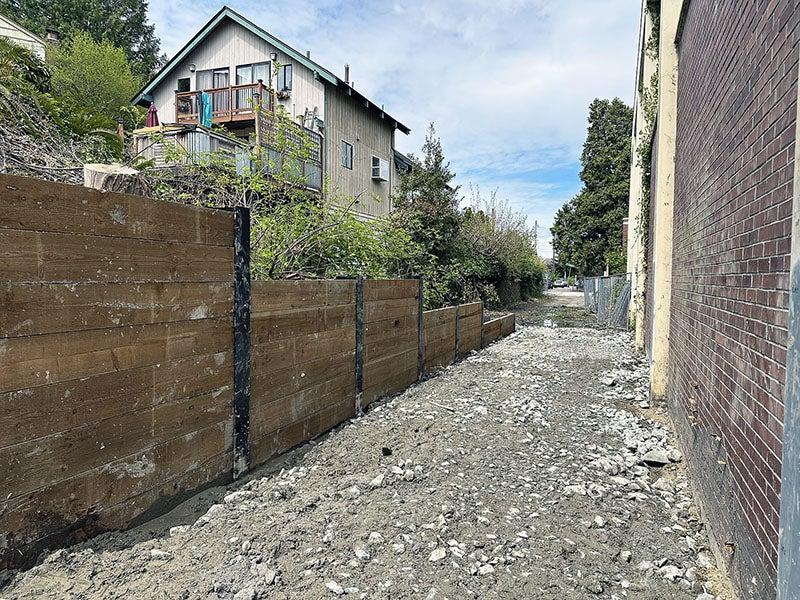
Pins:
<point x="212" y="78"/>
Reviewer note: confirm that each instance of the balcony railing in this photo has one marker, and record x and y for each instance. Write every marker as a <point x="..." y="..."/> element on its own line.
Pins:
<point x="231" y="103"/>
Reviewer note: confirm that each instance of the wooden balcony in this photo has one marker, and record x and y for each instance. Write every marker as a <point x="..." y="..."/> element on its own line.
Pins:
<point x="231" y="103"/>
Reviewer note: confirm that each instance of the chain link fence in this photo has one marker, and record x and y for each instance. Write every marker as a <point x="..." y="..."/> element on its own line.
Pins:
<point x="608" y="298"/>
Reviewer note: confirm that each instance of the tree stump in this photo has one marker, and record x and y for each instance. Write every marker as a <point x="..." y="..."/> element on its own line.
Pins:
<point x="114" y="178"/>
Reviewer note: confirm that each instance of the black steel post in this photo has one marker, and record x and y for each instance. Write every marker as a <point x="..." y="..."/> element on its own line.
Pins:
<point x="241" y="342"/>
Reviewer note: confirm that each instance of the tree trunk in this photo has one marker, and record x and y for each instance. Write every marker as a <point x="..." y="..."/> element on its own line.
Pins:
<point x="114" y="178"/>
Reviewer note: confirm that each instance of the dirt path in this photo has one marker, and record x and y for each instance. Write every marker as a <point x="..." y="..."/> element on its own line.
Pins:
<point x="523" y="472"/>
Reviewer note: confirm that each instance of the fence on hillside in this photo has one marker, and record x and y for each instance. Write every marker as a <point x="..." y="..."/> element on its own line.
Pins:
<point x="608" y="298"/>
<point x="139" y="364"/>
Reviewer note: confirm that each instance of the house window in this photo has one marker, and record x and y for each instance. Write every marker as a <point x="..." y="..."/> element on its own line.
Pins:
<point x="347" y="155"/>
<point x="184" y="84"/>
<point x="380" y="169"/>
<point x="284" y="77"/>
<point x="213" y="78"/>
<point x="252" y="73"/>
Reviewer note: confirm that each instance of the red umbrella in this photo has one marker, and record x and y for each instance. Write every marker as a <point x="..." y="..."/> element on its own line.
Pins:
<point x="152" y="116"/>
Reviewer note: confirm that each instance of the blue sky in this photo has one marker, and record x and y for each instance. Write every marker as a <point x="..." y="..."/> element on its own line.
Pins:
<point x="506" y="82"/>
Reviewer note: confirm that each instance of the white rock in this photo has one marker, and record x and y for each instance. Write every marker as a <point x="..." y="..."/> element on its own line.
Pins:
<point x="377" y="482"/>
<point x="245" y="594"/>
<point x="173" y="531"/>
<point x="236" y="497"/>
<point x="625" y="555"/>
<point x="657" y="457"/>
<point x="335" y="588"/>
<point x="599" y="521"/>
<point x="438" y="554"/>
<point x="375" y="538"/>
<point x="485" y="569"/>
<point x="664" y="485"/>
<point x="157" y="554"/>
<point x="704" y="560"/>
<point x="670" y="572"/>
<point x="361" y="554"/>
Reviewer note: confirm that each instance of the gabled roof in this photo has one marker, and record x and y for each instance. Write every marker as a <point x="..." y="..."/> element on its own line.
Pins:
<point x="145" y="94"/>
<point x="24" y="30"/>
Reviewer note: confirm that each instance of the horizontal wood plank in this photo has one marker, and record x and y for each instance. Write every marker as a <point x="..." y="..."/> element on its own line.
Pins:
<point x="379" y="310"/>
<point x="278" y="384"/>
<point x="439" y="316"/>
<point x="282" y="295"/>
<point x="292" y="323"/>
<point x="34" y="309"/>
<point x="67" y="454"/>
<point x="183" y="463"/>
<point x="51" y="358"/>
<point x="390" y="289"/>
<point x="491" y="331"/>
<point x="270" y="416"/>
<point x="311" y="426"/>
<point x="37" y="257"/>
<point x="283" y="353"/>
<point x="473" y="308"/>
<point x="37" y="412"/>
<point x="36" y="205"/>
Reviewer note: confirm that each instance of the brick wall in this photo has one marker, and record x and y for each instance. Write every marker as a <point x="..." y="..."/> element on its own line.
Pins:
<point x="737" y="90"/>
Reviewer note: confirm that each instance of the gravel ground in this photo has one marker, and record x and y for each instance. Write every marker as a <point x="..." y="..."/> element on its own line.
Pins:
<point x="535" y="469"/>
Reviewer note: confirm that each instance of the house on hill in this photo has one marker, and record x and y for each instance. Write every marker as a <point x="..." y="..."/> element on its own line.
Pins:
<point x="17" y="34"/>
<point x="232" y="60"/>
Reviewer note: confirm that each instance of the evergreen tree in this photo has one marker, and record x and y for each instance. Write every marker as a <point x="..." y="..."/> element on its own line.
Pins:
<point x="426" y="202"/>
<point x="587" y="231"/>
<point x="123" y="23"/>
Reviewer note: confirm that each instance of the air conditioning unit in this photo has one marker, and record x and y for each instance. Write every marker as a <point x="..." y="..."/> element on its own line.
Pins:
<point x="380" y="169"/>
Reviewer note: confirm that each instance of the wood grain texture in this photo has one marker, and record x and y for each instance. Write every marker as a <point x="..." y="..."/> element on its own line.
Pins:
<point x="67" y="454"/>
<point x="45" y="359"/>
<point x="36" y="205"/>
<point x="292" y="323"/>
<point x="41" y="257"/>
<point x="492" y="331"/>
<point x="279" y="296"/>
<point x="113" y="495"/>
<point x="34" y="309"/>
<point x="301" y="431"/>
<point x="42" y="411"/>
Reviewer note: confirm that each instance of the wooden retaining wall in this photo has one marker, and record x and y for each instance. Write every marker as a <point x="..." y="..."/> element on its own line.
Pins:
<point x="115" y="358"/>
<point x="303" y="356"/>
<point x="440" y="338"/>
<point x="391" y="337"/>
<point x="118" y="392"/>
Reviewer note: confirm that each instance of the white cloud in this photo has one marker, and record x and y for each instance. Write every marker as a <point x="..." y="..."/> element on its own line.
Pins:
<point x="507" y="82"/>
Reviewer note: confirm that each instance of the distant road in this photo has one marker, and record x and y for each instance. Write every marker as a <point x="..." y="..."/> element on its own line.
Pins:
<point x="563" y="297"/>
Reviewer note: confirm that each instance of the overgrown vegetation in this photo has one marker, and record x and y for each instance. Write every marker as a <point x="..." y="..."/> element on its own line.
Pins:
<point x="58" y="115"/>
<point x="119" y="23"/>
<point x="644" y="151"/>
<point x="587" y="232"/>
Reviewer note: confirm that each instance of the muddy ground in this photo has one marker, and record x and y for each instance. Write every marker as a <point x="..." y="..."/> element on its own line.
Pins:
<point x="534" y="469"/>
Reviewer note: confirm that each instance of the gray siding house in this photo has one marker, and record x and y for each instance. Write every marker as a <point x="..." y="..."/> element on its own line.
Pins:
<point x="231" y="58"/>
